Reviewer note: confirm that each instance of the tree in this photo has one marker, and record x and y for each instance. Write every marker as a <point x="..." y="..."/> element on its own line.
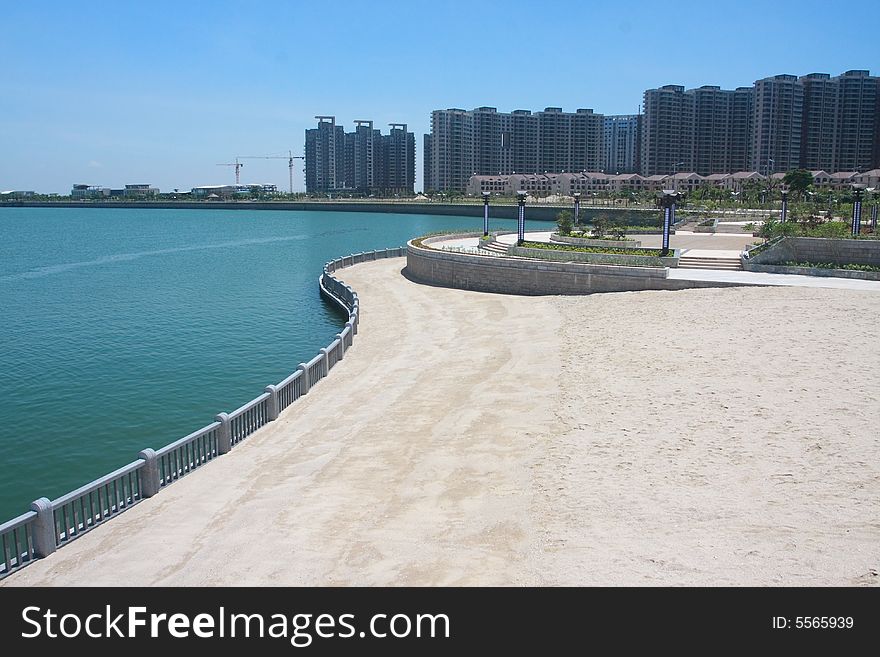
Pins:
<point x="798" y="181"/>
<point x="564" y="222"/>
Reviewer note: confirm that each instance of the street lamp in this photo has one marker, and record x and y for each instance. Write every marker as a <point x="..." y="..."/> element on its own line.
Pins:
<point x="486" y="196"/>
<point x="577" y="206"/>
<point x="521" y="217"/>
<point x="871" y="190"/>
<point x="670" y="196"/>
<point x="675" y="173"/>
<point x="857" y="209"/>
<point x="783" y="215"/>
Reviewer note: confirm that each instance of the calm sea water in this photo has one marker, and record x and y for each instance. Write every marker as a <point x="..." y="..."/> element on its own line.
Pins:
<point x="125" y="329"/>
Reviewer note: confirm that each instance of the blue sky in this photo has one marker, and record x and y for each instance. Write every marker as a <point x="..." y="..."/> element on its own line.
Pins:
<point x="114" y="93"/>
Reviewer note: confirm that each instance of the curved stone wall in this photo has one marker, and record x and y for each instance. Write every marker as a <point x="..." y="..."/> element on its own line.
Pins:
<point x="506" y="275"/>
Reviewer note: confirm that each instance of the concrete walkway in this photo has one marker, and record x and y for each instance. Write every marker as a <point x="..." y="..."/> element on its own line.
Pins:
<point x="699" y="245"/>
<point x="758" y="278"/>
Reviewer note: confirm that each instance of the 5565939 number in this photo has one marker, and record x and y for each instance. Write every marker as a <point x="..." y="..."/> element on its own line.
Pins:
<point x="814" y="622"/>
<point x="823" y="622"/>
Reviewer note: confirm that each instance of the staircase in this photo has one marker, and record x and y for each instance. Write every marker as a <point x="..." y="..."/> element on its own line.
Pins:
<point x="494" y="247"/>
<point x="722" y="264"/>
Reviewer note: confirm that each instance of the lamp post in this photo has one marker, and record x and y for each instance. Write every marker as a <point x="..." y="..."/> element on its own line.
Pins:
<point x="670" y="196"/>
<point x="871" y="190"/>
<point x="857" y="209"/>
<point x="783" y="215"/>
<point x="674" y="174"/>
<point x="521" y="217"/>
<point x="486" y="196"/>
<point x="577" y="206"/>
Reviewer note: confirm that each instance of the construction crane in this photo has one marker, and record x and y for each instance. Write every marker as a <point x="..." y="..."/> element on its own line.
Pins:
<point x="238" y="165"/>
<point x="290" y="157"/>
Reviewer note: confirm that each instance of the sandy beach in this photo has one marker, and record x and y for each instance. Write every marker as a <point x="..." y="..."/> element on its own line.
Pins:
<point x="699" y="437"/>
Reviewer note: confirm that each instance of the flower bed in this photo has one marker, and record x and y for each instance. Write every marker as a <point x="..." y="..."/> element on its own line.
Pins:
<point x="593" y="241"/>
<point x="603" y="255"/>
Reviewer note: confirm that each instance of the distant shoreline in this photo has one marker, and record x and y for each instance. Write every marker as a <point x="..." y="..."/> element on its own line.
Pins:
<point x="497" y="211"/>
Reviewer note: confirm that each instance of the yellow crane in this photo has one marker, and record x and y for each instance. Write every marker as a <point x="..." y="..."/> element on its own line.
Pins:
<point x="290" y="157"/>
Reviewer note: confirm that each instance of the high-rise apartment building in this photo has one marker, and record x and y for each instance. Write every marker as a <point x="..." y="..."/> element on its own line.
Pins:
<point x="325" y="156"/>
<point x="667" y="131"/>
<point x="427" y="179"/>
<point x="569" y="141"/>
<point x="704" y="130"/>
<point x="777" y="124"/>
<point x="452" y="149"/>
<point x="488" y="135"/>
<point x="721" y="129"/>
<point x="361" y="162"/>
<point x="781" y="123"/>
<point x="819" y="125"/>
<point x="487" y="142"/>
<point x="858" y="121"/>
<point x="362" y="157"/>
<point x="621" y="143"/>
<point x="739" y="139"/>
<point x="520" y="143"/>
<point x="398" y="161"/>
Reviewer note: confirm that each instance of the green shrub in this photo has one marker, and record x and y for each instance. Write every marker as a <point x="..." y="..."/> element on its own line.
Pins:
<point x="592" y="249"/>
<point x="850" y="266"/>
<point x="810" y="227"/>
<point x="564" y="222"/>
<point x="831" y="229"/>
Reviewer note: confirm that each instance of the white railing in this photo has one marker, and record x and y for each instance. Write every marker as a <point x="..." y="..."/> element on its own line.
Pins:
<point x="52" y="524"/>
<point x="17" y="538"/>
<point x="89" y="506"/>
<point x="246" y="419"/>
<point x="289" y="390"/>
<point x="185" y="455"/>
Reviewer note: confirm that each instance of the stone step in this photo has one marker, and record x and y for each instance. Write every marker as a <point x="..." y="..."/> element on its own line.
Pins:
<point x="710" y="266"/>
<point x="711" y="260"/>
<point x="723" y="264"/>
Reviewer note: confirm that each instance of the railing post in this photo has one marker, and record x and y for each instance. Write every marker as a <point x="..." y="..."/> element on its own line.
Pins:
<point x="350" y="326"/>
<point x="326" y="361"/>
<point x="303" y="379"/>
<point x="44" y="527"/>
<point x="149" y="474"/>
<point x="272" y="403"/>
<point x="224" y="434"/>
<point x="341" y="344"/>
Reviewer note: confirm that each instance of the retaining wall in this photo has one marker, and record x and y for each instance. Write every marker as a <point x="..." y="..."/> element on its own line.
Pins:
<point x="496" y="211"/>
<point x="508" y="275"/>
<point x="817" y="249"/>
<point x="813" y="271"/>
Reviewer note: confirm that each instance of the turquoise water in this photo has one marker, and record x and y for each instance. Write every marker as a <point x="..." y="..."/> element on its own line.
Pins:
<point x="124" y="329"/>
